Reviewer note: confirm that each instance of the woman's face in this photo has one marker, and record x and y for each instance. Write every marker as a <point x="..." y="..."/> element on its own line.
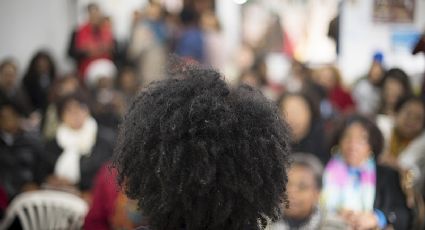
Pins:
<point x="297" y="113"/>
<point x="409" y="121"/>
<point x="128" y="81"/>
<point x="303" y="192"/>
<point x="376" y="73"/>
<point x="68" y="86"/>
<point x="326" y="78"/>
<point x="43" y="65"/>
<point x="354" y="144"/>
<point x="250" y="79"/>
<point x="8" y="76"/>
<point x="392" y="91"/>
<point x="208" y="21"/>
<point x="9" y="120"/>
<point x="75" y="114"/>
<point x="105" y="83"/>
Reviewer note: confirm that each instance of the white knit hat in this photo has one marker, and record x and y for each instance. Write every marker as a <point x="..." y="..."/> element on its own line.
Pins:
<point x="101" y="68"/>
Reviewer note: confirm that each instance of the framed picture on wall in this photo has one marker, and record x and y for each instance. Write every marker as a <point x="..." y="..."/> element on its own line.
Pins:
<point x="394" y="11"/>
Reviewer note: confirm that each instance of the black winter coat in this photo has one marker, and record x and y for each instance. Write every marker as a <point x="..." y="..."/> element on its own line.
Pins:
<point x="390" y="198"/>
<point x="20" y="162"/>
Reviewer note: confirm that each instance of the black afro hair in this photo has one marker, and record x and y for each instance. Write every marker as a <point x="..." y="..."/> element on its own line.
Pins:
<point x="197" y="154"/>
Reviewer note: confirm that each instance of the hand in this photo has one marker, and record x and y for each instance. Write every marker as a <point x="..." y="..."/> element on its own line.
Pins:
<point x="29" y="187"/>
<point x="365" y="221"/>
<point x="348" y="216"/>
<point x="407" y="184"/>
<point x="359" y="220"/>
<point x="56" y="181"/>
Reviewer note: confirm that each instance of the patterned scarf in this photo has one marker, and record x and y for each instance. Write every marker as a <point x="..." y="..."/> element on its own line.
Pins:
<point x="346" y="187"/>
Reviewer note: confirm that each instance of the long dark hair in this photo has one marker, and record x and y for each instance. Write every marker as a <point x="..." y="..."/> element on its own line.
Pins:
<point x="32" y="69"/>
<point x="400" y="76"/>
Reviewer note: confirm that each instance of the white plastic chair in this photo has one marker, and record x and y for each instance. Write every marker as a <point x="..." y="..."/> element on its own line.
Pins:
<point x="45" y="210"/>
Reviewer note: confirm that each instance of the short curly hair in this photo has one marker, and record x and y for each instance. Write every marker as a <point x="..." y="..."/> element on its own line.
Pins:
<point x="197" y="154"/>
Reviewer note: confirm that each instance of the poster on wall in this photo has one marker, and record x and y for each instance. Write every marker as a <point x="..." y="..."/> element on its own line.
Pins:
<point x="404" y="40"/>
<point x="394" y="11"/>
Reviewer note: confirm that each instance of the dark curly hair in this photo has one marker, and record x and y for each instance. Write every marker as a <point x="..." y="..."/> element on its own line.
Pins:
<point x="197" y="154"/>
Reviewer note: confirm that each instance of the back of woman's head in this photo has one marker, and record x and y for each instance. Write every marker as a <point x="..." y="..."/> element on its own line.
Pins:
<point x="197" y="154"/>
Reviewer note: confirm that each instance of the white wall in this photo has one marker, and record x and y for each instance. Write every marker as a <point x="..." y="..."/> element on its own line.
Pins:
<point x="27" y="26"/>
<point x="120" y="11"/>
<point x="361" y="37"/>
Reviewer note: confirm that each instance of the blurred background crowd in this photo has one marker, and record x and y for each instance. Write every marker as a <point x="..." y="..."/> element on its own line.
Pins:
<point x="348" y="77"/>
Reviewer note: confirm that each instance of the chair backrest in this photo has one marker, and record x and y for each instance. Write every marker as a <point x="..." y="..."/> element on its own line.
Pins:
<point x="45" y="210"/>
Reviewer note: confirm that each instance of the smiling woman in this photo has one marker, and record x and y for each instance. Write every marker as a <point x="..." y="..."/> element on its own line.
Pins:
<point x="356" y="188"/>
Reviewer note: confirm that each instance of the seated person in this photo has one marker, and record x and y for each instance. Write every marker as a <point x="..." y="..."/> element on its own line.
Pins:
<point x="62" y="86"/>
<point x="365" y="194"/>
<point x="405" y="151"/>
<point x="108" y="103"/>
<point x="304" y="186"/>
<point x="20" y="153"/>
<point x="10" y="89"/>
<point x="406" y="141"/>
<point x="307" y="126"/>
<point x="79" y="148"/>
<point x="394" y="86"/>
<point x="197" y="154"/>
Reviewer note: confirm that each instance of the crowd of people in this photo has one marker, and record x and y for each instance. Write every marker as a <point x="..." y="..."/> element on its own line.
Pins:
<point x="357" y="152"/>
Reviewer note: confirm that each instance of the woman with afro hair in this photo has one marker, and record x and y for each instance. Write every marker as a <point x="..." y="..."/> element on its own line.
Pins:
<point x="198" y="154"/>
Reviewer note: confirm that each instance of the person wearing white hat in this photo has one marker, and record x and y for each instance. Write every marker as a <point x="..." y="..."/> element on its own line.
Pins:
<point x="98" y="71"/>
<point x="109" y="103"/>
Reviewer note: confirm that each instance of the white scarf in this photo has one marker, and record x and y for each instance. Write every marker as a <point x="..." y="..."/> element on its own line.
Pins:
<point x="75" y="143"/>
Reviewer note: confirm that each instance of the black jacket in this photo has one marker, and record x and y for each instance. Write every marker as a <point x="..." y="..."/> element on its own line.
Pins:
<point x="390" y="198"/>
<point x="90" y="164"/>
<point x="313" y="142"/>
<point x="20" y="162"/>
